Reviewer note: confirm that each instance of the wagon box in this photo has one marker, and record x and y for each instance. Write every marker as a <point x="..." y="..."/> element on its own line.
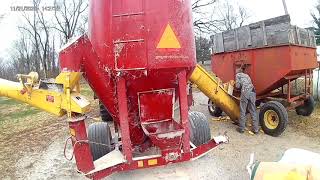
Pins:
<point x="274" y="53"/>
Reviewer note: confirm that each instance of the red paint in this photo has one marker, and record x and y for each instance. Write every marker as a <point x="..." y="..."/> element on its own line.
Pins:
<point x="184" y="110"/>
<point x="123" y="35"/>
<point x="183" y="156"/>
<point x="81" y="146"/>
<point x="123" y="115"/>
<point x="164" y="134"/>
<point x="267" y="66"/>
<point x="120" y="60"/>
<point x="151" y="100"/>
<point x="23" y="91"/>
<point x="50" y="98"/>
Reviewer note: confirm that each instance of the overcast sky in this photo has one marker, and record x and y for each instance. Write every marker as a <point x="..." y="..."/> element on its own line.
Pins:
<point x="299" y="11"/>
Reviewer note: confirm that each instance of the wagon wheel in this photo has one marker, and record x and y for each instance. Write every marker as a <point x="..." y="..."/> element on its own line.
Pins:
<point x="307" y="108"/>
<point x="213" y="109"/>
<point x="199" y="128"/>
<point x="99" y="136"/>
<point x="273" y="118"/>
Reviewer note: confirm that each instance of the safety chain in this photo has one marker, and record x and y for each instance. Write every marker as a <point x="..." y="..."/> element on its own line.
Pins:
<point x="80" y="141"/>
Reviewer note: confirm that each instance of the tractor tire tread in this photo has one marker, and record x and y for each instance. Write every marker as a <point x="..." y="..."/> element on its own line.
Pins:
<point x="99" y="133"/>
<point x="199" y="128"/>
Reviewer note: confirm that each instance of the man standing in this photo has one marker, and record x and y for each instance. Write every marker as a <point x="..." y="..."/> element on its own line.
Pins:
<point x="247" y="100"/>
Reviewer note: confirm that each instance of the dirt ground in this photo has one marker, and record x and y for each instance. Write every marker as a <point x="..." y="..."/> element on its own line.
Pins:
<point x="32" y="148"/>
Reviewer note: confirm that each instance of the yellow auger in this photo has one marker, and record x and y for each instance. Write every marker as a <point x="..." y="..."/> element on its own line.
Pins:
<point x="58" y="96"/>
<point x="213" y="90"/>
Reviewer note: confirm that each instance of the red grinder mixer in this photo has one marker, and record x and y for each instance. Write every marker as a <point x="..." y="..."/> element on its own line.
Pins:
<point x="137" y="57"/>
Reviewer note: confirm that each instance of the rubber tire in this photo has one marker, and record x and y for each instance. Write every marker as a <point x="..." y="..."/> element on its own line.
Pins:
<point x="213" y="109"/>
<point x="258" y="103"/>
<point x="282" y="114"/>
<point x="99" y="133"/>
<point x="307" y="108"/>
<point x="104" y="113"/>
<point x="199" y="128"/>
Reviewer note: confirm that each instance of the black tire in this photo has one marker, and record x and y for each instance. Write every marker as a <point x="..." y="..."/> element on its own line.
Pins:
<point x="307" y="108"/>
<point x="104" y="113"/>
<point x="258" y="103"/>
<point x="99" y="136"/>
<point x="273" y="118"/>
<point x="199" y="128"/>
<point x="213" y="109"/>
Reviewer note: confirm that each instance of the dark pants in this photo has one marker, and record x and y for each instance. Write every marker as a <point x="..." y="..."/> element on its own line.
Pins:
<point x="250" y="104"/>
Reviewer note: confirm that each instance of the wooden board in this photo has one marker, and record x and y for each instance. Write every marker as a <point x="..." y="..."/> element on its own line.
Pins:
<point x="271" y="32"/>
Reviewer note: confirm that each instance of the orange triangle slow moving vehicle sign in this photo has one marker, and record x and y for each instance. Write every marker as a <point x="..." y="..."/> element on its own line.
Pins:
<point x="168" y="40"/>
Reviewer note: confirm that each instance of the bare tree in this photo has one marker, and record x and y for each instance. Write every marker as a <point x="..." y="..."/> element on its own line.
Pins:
<point x="38" y="29"/>
<point x="83" y="24"/>
<point x="203" y="49"/>
<point x="35" y="49"/>
<point x="69" y="16"/>
<point x="230" y="16"/>
<point x="203" y="22"/>
<point x="212" y="16"/>
<point x="22" y="54"/>
<point x="2" y="69"/>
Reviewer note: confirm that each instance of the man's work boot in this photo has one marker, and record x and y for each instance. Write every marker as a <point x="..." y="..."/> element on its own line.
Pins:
<point x="255" y="132"/>
<point x="240" y="130"/>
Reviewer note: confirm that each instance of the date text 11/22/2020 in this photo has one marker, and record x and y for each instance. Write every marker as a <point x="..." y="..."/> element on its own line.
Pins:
<point x="34" y="8"/>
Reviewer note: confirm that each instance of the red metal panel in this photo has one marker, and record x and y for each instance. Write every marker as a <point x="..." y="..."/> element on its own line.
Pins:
<point x="303" y="58"/>
<point x="129" y="43"/>
<point x="127" y="6"/>
<point x="100" y="28"/>
<point x="120" y="58"/>
<point x="166" y="134"/>
<point x="152" y="100"/>
<point x="81" y="149"/>
<point x="177" y="14"/>
<point x="268" y="66"/>
<point x="121" y="32"/>
<point x="183" y="156"/>
<point x="184" y="110"/>
<point x="126" y="62"/>
<point x="123" y="117"/>
<point x="71" y="57"/>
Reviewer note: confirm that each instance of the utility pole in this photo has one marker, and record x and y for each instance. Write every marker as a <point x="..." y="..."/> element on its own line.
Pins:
<point x="285" y="7"/>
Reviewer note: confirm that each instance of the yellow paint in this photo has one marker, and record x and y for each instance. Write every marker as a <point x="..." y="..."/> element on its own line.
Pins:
<point x="72" y="132"/>
<point x="292" y="175"/>
<point x="169" y="39"/>
<point x="218" y="95"/>
<point x="271" y="119"/>
<point x="27" y="81"/>
<point x="64" y="102"/>
<point x="140" y="164"/>
<point x="68" y="79"/>
<point x="152" y="162"/>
